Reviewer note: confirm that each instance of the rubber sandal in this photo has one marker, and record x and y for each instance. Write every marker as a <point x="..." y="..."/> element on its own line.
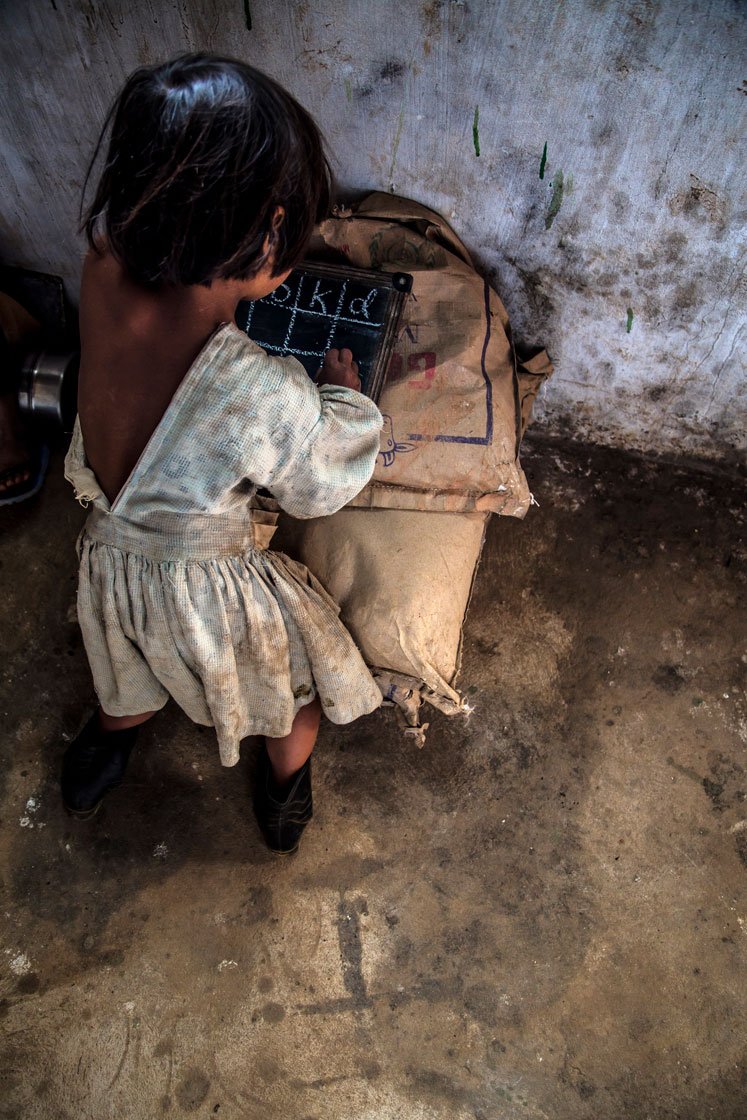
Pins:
<point x="37" y="462"/>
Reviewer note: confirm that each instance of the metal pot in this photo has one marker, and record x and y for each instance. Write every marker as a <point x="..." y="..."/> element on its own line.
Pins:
<point x="48" y="388"/>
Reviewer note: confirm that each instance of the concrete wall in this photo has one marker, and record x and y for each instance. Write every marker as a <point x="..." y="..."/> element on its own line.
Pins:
<point x="641" y="204"/>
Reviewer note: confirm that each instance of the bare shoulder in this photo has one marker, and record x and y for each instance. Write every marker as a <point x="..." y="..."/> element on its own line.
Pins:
<point x="100" y="282"/>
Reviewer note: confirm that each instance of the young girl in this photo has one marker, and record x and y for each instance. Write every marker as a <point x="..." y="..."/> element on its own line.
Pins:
<point x="213" y="180"/>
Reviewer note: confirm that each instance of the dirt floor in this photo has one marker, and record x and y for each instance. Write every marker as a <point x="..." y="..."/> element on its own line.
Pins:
<point x="542" y="914"/>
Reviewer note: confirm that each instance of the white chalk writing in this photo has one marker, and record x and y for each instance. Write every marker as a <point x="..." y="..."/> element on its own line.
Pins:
<point x="282" y="294"/>
<point x="361" y="304"/>
<point x="319" y="297"/>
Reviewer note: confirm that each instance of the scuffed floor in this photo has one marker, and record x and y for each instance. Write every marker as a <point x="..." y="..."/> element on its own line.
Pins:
<point x="542" y="914"/>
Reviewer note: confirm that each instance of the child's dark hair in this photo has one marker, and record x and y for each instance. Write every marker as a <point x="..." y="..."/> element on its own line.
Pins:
<point x="202" y="154"/>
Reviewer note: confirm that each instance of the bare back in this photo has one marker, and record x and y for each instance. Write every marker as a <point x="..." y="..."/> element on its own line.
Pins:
<point x="136" y="347"/>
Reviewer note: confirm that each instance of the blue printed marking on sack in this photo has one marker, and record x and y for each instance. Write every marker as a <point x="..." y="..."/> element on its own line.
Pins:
<point x="389" y="446"/>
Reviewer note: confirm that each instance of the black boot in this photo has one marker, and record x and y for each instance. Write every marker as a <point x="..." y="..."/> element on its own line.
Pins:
<point x="282" y="821"/>
<point x="94" y="763"/>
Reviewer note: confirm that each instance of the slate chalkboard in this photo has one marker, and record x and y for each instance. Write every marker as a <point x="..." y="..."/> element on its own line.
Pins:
<point x="321" y="306"/>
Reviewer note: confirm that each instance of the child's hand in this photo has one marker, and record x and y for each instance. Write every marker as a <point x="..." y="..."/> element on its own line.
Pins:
<point x="339" y="369"/>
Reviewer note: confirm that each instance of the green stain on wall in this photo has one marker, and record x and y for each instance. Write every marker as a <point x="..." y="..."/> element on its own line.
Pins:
<point x="475" y="131"/>
<point x="629" y="324"/>
<point x="395" y="148"/>
<point x="556" y="201"/>
<point x="348" y="89"/>
<point x="543" y="161"/>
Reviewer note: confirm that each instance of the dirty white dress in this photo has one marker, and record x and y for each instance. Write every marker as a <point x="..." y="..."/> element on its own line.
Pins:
<point x="175" y="598"/>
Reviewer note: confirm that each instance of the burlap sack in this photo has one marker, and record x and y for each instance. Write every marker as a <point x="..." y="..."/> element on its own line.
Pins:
<point x="456" y="403"/>
<point x="403" y="580"/>
<point x="456" y="400"/>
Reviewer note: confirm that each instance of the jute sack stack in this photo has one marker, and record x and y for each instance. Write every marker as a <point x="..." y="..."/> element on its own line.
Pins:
<point x="400" y="559"/>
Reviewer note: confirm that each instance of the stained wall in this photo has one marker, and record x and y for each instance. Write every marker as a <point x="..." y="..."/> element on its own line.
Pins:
<point x="606" y="202"/>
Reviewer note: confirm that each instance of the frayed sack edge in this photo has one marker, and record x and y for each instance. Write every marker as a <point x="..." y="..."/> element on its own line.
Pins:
<point x="407" y="696"/>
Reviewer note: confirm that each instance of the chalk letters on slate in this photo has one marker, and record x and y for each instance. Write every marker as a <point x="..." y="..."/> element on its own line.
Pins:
<point x="324" y="306"/>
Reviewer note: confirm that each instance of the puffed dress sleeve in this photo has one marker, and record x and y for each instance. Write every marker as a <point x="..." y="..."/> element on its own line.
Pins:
<point x="336" y="457"/>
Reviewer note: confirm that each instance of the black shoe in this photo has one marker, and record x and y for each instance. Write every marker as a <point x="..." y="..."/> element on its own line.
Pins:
<point x="94" y="763"/>
<point x="282" y="822"/>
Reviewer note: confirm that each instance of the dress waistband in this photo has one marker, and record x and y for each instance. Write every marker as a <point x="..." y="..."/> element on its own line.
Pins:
<point x="174" y="536"/>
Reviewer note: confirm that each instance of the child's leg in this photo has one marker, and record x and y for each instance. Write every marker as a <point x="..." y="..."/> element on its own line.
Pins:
<point x="282" y="792"/>
<point x="120" y="723"/>
<point x="288" y="754"/>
